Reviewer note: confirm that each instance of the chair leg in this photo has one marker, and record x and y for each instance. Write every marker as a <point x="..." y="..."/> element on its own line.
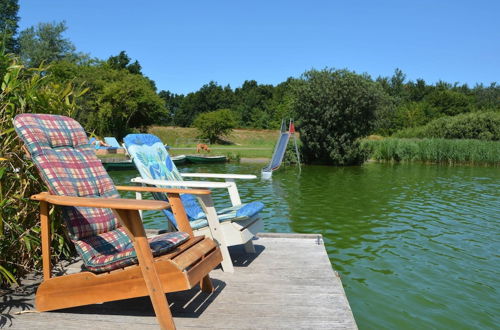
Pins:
<point x="155" y="288"/>
<point x="249" y="247"/>
<point x="206" y="285"/>
<point x="148" y="269"/>
<point x="216" y="231"/>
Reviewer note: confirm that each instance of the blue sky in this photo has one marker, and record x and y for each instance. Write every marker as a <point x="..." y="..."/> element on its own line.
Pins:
<point x="183" y="45"/>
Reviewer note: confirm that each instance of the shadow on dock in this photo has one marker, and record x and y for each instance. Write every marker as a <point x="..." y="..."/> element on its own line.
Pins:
<point x="241" y="258"/>
<point x="18" y="300"/>
<point x="288" y="283"/>
<point x="190" y="303"/>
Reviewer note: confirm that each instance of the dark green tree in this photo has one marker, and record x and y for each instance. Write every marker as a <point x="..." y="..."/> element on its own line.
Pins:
<point x="418" y="90"/>
<point x="210" y="97"/>
<point x="395" y="86"/>
<point x="449" y="102"/>
<point x="280" y="106"/>
<point x="251" y="104"/>
<point x="172" y="104"/>
<point x="124" y="103"/>
<point x="122" y="62"/>
<point x="215" y="124"/>
<point x="9" y="25"/>
<point x="487" y="97"/>
<point x="335" y="108"/>
<point x="45" y="43"/>
<point x="117" y="101"/>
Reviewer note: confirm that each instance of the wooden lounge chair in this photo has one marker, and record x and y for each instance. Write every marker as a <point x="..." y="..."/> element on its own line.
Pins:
<point x="107" y="230"/>
<point x="231" y="226"/>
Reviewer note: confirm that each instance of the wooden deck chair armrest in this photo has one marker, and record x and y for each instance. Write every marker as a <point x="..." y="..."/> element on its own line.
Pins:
<point x="112" y="203"/>
<point x="164" y="190"/>
<point x="219" y="176"/>
<point x="126" y="211"/>
<point x="187" y="184"/>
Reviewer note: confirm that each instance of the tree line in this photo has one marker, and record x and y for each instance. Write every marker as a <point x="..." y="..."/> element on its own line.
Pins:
<point x="116" y="97"/>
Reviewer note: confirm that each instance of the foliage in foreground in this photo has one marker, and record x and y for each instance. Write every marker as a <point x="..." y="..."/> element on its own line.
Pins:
<point x="445" y="151"/>
<point x="335" y="109"/>
<point x="214" y="125"/>
<point x="24" y="90"/>
<point x="476" y="125"/>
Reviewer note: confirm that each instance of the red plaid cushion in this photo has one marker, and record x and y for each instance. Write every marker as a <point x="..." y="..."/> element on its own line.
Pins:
<point x="114" y="249"/>
<point x="68" y="165"/>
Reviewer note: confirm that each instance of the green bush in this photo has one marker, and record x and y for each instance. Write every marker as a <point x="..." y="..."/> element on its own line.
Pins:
<point x="214" y="125"/>
<point x="434" y="150"/>
<point x="334" y="109"/>
<point x="24" y="90"/>
<point x="476" y="125"/>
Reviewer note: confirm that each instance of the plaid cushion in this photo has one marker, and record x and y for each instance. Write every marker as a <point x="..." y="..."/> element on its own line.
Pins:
<point x="114" y="249"/>
<point x="68" y="165"/>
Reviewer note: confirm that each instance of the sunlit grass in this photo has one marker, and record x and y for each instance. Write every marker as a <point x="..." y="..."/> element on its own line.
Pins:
<point x="241" y="143"/>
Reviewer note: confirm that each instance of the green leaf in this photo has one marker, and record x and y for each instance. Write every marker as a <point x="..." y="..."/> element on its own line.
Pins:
<point x="7" y="275"/>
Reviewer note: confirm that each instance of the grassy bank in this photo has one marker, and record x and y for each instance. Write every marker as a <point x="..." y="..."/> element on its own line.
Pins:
<point x="242" y="143"/>
<point x="474" y="152"/>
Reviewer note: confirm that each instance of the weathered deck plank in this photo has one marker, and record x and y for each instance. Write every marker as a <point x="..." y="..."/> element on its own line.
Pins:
<point x="288" y="283"/>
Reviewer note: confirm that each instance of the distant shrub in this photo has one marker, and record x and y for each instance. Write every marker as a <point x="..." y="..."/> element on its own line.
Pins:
<point x="476" y="125"/>
<point x="233" y="157"/>
<point x="213" y="125"/>
<point x="335" y="109"/>
<point x="291" y="154"/>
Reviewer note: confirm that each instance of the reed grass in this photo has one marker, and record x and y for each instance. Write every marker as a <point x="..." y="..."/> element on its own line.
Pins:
<point x="25" y="90"/>
<point x="445" y="151"/>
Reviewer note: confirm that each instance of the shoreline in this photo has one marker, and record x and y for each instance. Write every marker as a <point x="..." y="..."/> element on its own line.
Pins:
<point x="256" y="160"/>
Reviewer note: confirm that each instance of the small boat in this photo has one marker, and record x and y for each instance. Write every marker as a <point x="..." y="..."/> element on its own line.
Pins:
<point x="197" y="159"/>
<point x="178" y="160"/>
<point x="124" y="165"/>
<point x="120" y="164"/>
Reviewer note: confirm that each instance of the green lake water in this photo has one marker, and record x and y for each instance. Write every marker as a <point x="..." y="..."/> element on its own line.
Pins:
<point x="417" y="246"/>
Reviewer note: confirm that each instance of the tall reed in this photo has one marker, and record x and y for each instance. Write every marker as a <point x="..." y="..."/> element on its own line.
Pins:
<point x="24" y="90"/>
<point x="445" y="151"/>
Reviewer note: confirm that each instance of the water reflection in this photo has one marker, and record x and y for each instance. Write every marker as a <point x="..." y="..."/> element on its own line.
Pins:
<point x="417" y="245"/>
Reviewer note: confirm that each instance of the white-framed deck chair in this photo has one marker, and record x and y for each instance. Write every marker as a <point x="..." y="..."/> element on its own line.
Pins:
<point x="120" y="261"/>
<point x="230" y="226"/>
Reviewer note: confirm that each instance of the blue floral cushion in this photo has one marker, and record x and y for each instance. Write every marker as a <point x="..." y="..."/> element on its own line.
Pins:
<point x="153" y="162"/>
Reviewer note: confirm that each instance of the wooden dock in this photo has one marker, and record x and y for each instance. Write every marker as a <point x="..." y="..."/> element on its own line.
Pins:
<point x="288" y="283"/>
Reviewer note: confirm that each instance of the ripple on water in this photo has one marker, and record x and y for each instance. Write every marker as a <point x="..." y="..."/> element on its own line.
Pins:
<point x="417" y="245"/>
